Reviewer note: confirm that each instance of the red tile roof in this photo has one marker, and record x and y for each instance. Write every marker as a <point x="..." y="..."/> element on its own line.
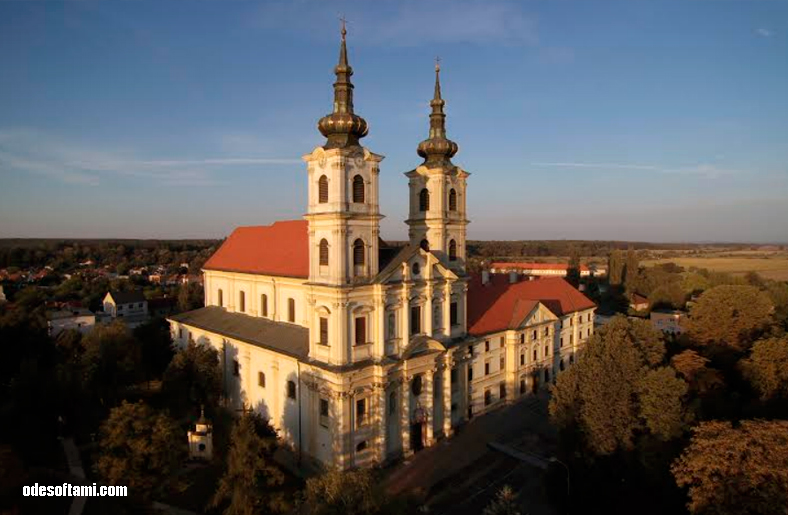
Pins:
<point x="535" y="266"/>
<point x="281" y="249"/>
<point x="500" y="305"/>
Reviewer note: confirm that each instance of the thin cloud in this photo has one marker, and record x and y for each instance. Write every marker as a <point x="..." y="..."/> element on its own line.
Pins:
<point x="29" y="151"/>
<point x="411" y="22"/>
<point x="764" y="33"/>
<point x="704" y="170"/>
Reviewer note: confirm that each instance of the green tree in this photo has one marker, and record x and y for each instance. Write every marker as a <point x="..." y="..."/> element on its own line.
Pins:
<point x="693" y="283"/>
<point x="729" y="315"/>
<point x="669" y="295"/>
<point x="633" y="398"/>
<point x="344" y="493"/>
<point x="631" y="268"/>
<point x="767" y="367"/>
<point x="505" y="503"/>
<point x="111" y="360"/>
<point x="141" y="449"/>
<point x="193" y="378"/>
<point x="249" y="485"/>
<point x="155" y="343"/>
<point x="736" y="469"/>
<point x="191" y="296"/>
<point x="573" y="271"/>
<point x="615" y="267"/>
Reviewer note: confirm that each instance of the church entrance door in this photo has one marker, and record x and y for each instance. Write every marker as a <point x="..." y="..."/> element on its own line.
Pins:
<point x="416" y="436"/>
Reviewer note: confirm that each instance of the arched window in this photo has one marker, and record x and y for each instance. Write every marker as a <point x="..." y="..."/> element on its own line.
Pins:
<point x="452" y="250"/>
<point x="291" y="390"/>
<point x="242" y="302"/>
<point x="425" y="245"/>
<point x="261" y="379"/>
<point x="322" y="189"/>
<point x="416" y="269"/>
<point x="358" y="252"/>
<point x="264" y="305"/>
<point x="392" y="325"/>
<point x="452" y="200"/>
<point x="220" y="298"/>
<point x="323" y="252"/>
<point x="291" y="310"/>
<point x="424" y="200"/>
<point x="358" y="189"/>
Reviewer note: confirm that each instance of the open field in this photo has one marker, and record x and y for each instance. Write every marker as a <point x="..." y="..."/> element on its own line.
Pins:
<point x="770" y="266"/>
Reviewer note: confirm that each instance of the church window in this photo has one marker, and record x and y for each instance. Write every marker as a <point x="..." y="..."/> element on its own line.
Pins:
<point x="291" y="311"/>
<point x="323" y="252"/>
<point x="522" y="359"/>
<point x="415" y="319"/>
<point x="522" y="386"/>
<point x="291" y="390"/>
<point x="535" y="356"/>
<point x="452" y="250"/>
<point x="425" y="245"/>
<point x="487" y="368"/>
<point x="416" y="386"/>
<point x="392" y="325"/>
<point x="242" y="302"/>
<point x="416" y="269"/>
<point x="424" y="200"/>
<point x="324" y="412"/>
<point x="323" y="331"/>
<point x="487" y="397"/>
<point x="358" y="252"/>
<point x="220" y="298"/>
<point x="546" y="350"/>
<point x="470" y="373"/>
<point x="522" y="337"/>
<point x="358" y="189"/>
<point x="502" y="390"/>
<point x="361" y="412"/>
<point x="261" y="379"/>
<point x="361" y="330"/>
<point x="322" y="187"/>
<point x="502" y="365"/>
<point x="453" y="313"/>
<point x="264" y="305"/>
<point x="452" y="200"/>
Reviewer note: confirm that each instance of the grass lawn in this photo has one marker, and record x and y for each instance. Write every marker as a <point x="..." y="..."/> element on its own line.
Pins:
<point x="775" y="267"/>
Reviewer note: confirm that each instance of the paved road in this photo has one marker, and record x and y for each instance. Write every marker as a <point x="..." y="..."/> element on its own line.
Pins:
<point x="461" y="474"/>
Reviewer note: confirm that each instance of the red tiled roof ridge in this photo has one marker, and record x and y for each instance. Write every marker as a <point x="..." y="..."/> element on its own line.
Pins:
<point x="280" y="249"/>
<point x="537" y="266"/>
<point x="492" y="306"/>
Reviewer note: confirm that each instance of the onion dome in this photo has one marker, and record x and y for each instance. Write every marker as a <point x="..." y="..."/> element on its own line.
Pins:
<point x="437" y="149"/>
<point x="342" y="128"/>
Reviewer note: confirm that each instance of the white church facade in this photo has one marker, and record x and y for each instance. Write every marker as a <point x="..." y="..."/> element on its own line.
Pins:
<point x="357" y="351"/>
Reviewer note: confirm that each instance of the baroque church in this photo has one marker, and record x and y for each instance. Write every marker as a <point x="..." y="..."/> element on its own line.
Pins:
<point x="359" y="352"/>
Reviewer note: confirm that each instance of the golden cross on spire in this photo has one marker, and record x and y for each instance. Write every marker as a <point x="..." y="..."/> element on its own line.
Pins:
<point x="438" y="64"/>
<point x="344" y="21"/>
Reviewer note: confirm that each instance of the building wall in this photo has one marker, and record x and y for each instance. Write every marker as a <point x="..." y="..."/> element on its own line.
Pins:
<point x="83" y="323"/>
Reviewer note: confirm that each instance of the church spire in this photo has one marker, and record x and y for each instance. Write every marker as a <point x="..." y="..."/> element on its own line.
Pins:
<point x="437" y="149"/>
<point x="342" y="128"/>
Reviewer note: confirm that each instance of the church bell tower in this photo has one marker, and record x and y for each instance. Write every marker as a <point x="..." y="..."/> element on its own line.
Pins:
<point x="438" y="220"/>
<point x="343" y="212"/>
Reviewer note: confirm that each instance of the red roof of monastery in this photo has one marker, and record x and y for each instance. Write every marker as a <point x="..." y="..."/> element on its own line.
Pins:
<point x="281" y="249"/>
<point x="535" y="266"/>
<point x="500" y="304"/>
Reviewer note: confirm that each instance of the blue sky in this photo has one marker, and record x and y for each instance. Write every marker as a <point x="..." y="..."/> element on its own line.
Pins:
<point x="633" y="120"/>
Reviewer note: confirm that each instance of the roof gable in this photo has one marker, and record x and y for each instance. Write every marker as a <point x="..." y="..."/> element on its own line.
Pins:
<point x="126" y="297"/>
<point x="500" y="305"/>
<point x="280" y="249"/>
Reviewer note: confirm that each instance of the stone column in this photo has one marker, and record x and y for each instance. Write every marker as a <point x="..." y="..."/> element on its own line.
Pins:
<point x="342" y="344"/>
<point x="429" y="408"/>
<point x="381" y="420"/>
<point x="405" y="416"/>
<point x="447" y="395"/>
<point x="447" y="310"/>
